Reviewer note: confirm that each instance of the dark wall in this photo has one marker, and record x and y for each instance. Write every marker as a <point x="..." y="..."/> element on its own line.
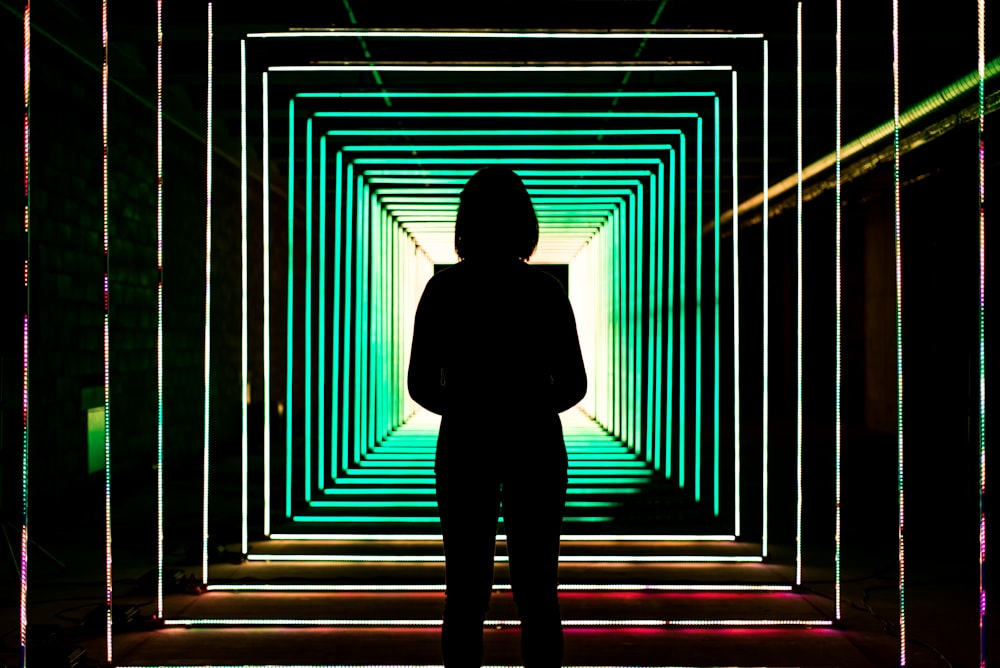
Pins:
<point x="68" y="264"/>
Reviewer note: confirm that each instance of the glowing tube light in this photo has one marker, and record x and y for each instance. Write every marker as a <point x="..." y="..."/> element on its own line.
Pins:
<point x="489" y="34"/>
<point x="682" y="338"/>
<point x="765" y="317"/>
<point x="798" y="297"/>
<point x="266" y="231"/>
<point x="837" y="373"/>
<point x="501" y="622"/>
<point x="159" y="309"/>
<point x="23" y="602"/>
<point x="208" y="306"/>
<point x="698" y="316"/>
<point x="520" y="94"/>
<point x="289" y="310"/>
<point x="982" y="336"/>
<point x="244" y="335"/>
<point x="688" y="588"/>
<point x="736" y="317"/>
<point x="716" y="372"/>
<point x="321" y="389"/>
<point x="422" y="537"/>
<point x="107" y="349"/>
<point x="563" y="559"/>
<point x="899" y="322"/>
<point x="307" y="307"/>
<point x="501" y="68"/>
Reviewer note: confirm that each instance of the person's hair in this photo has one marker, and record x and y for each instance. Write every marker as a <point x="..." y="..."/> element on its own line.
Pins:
<point x="495" y="217"/>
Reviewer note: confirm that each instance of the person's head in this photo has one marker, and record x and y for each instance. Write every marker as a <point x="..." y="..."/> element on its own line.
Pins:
<point x="496" y="219"/>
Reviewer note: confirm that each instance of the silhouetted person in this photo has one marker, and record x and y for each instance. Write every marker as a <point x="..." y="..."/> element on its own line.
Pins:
<point x="496" y="354"/>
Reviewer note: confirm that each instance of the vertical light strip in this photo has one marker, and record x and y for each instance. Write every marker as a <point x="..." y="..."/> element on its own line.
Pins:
<point x="337" y="448"/>
<point x="716" y="380"/>
<point x="24" y="362"/>
<point x="798" y="295"/>
<point x="307" y="368"/>
<point x="899" y="322"/>
<point x="736" y="317"/>
<point x="107" y="349"/>
<point x="266" y="232"/>
<point x="244" y="353"/>
<point x="682" y="338"/>
<point x="699" y="249"/>
<point x="767" y="215"/>
<point x="159" y="309"/>
<point x="836" y="439"/>
<point x="982" y="337"/>
<point x="208" y="307"/>
<point x="290" y="309"/>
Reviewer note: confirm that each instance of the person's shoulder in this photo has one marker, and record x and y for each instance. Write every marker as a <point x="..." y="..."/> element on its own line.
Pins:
<point x="444" y="279"/>
<point x="544" y="282"/>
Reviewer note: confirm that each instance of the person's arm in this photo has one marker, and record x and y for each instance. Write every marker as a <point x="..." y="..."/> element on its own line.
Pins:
<point x="569" y="378"/>
<point x="425" y="377"/>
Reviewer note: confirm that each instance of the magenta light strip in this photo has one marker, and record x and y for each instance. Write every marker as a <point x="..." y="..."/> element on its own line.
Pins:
<point x="208" y="309"/>
<point x="107" y="349"/>
<point x="501" y="622"/>
<point x="687" y="588"/>
<point x="159" y="309"/>
<point x="899" y="324"/>
<point x="23" y="619"/>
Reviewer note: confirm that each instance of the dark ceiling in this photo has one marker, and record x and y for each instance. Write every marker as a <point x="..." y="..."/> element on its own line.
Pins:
<point x="935" y="50"/>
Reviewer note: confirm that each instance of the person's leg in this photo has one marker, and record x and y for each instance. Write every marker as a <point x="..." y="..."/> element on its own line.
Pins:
<point x="533" y="509"/>
<point x="469" y="509"/>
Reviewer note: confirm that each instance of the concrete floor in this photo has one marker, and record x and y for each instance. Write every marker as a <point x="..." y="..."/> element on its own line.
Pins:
<point x="289" y="628"/>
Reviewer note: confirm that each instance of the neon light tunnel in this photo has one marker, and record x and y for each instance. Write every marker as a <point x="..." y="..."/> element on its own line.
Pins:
<point x="656" y="216"/>
<point x="619" y="197"/>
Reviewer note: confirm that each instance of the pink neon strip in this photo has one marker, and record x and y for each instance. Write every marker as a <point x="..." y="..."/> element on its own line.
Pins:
<point x="982" y="335"/>
<point x="159" y="308"/>
<point x="107" y="415"/>
<point x="23" y="618"/>
<point x="899" y="326"/>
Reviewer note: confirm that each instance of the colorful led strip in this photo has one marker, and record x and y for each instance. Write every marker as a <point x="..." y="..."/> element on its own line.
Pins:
<point x="244" y="336"/>
<point x="107" y="348"/>
<point x="492" y="34"/>
<point x="266" y="316"/>
<point x="798" y="295"/>
<point x="766" y="297"/>
<point x="500" y="622"/>
<point x="500" y="536"/>
<point x="23" y="596"/>
<point x="159" y="309"/>
<point x="982" y="334"/>
<point x="287" y="588"/>
<point x="563" y="559"/>
<point x="837" y="373"/>
<point x="208" y="307"/>
<point x="736" y="315"/>
<point x="899" y="324"/>
<point x="612" y="67"/>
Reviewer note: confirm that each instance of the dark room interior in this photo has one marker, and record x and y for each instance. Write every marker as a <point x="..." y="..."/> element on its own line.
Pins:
<point x="218" y="219"/>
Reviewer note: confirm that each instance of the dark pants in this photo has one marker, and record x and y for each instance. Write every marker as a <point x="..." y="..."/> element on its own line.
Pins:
<point x="532" y="494"/>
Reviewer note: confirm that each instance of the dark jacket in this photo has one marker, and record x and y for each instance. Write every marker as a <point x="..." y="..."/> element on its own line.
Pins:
<point x="495" y="352"/>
